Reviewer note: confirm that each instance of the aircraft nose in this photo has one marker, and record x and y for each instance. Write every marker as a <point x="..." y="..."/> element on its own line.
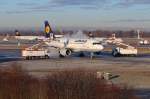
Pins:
<point x="101" y="47"/>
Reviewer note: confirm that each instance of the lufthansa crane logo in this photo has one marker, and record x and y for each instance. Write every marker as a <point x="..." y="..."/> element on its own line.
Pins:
<point x="47" y="29"/>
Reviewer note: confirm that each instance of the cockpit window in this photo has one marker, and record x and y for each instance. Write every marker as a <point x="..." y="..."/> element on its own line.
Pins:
<point x="96" y="43"/>
<point x="81" y="41"/>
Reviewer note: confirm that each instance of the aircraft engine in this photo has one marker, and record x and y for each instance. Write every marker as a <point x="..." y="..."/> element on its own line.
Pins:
<point x="65" y="52"/>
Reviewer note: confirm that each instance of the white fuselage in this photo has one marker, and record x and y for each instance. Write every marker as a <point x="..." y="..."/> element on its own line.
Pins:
<point x="76" y="45"/>
<point x="108" y="40"/>
<point x="29" y="37"/>
<point x="34" y="37"/>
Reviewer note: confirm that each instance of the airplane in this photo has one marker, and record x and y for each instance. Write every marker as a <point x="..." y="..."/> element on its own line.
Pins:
<point x="67" y="46"/>
<point x="18" y="36"/>
<point x="110" y="40"/>
<point x="32" y="38"/>
<point x="6" y="38"/>
<point x="113" y="39"/>
<point x="142" y="41"/>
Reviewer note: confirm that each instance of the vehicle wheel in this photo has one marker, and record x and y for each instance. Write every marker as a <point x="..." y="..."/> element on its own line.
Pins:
<point x="81" y="54"/>
<point x="31" y="57"/>
<point x="34" y="57"/>
<point x="27" y="57"/>
<point x="134" y="55"/>
<point x="61" y="56"/>
<point x="115" y="54"/>
<point x="97" y="53"/>
<point x="46" y="56"/>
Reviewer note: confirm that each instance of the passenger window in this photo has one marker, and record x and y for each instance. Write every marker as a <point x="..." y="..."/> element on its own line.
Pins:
<point x="96" y="43"/>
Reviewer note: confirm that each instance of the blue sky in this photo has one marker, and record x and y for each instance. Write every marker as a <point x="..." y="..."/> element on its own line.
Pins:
<point x="95" y="14"/>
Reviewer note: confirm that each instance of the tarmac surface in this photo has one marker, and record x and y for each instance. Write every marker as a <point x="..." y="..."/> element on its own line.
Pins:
<point x="133" y="71"/>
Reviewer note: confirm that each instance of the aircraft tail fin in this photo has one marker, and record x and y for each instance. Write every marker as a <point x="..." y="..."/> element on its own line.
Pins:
<point x="138" y="32"/>
<point x="48" y="31"/>
<point x="17" y="33"/>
